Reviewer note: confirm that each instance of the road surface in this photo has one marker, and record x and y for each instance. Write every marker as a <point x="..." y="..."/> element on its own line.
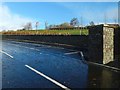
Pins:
<point x="28" y="65"/>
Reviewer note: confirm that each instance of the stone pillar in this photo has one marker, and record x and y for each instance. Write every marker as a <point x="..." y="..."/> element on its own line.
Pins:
<point x="101" y="44"/>
<point x="108" y="44"/>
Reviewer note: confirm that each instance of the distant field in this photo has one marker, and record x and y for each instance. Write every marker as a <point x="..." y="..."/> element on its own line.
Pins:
<point x="47" y="32"/>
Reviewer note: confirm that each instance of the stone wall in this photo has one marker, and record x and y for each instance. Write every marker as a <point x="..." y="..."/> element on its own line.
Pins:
<point x="101" y="46"/>
<point x="76" y="41"/>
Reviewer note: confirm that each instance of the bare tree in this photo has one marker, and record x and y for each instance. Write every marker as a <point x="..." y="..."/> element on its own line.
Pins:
<point x="36" y="25"/>
<point x="115" y="19"/>
<point x="46" y="25"/>
<point x="28" y="26"/>
<point x="105" y="18"/>
<point x="92" y="23"/>
<point x="81" y="23"/>
<point x="74" y="22"/>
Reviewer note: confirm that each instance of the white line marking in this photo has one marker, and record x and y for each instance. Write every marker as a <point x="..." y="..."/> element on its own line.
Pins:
<point x="25" y="47"/>
<point x="6" y="53"/>
<point x="44" y="46"/>
<point x="39" y="49"/>
<point x="50" y="79"/>
<point x="72" y="53"/>
<point x="82" y="54"/>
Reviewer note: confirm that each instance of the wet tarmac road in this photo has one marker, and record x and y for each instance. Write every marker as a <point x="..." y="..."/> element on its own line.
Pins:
<point x="28" y="65"/>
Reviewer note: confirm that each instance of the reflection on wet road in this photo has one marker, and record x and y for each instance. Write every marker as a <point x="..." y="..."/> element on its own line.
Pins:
<point x="50" y="67"/>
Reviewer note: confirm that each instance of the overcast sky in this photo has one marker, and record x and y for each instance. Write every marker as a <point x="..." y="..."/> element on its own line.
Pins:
<point x="15" y="14"/>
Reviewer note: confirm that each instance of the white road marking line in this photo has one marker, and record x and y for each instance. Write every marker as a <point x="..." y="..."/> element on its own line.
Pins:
<point x="48" y="78"/>
<point x="82" y="54"/>
<point x="44" y="46"/>
<point x="34" y="49"/>
<point x="39" y="49"/>
<point x="72" y="53"/>
<point x="25" y="47"/>
<point x="6" y="53"/>
<point x="19" y="42"/>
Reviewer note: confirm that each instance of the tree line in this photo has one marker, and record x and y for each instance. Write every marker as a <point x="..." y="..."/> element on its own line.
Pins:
<point x="74" y="22"/>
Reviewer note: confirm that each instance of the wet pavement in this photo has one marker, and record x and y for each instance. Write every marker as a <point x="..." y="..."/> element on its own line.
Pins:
<point x="60" y="64"/>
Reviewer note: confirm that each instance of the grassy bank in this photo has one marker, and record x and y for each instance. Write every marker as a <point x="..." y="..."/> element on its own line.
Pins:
<point x="47" y="32"/>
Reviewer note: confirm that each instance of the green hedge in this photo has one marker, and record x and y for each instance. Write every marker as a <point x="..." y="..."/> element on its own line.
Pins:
<point x="47" y="32"/>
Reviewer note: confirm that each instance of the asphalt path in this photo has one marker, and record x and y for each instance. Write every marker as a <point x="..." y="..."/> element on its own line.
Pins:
<point x="29" y="65"/>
